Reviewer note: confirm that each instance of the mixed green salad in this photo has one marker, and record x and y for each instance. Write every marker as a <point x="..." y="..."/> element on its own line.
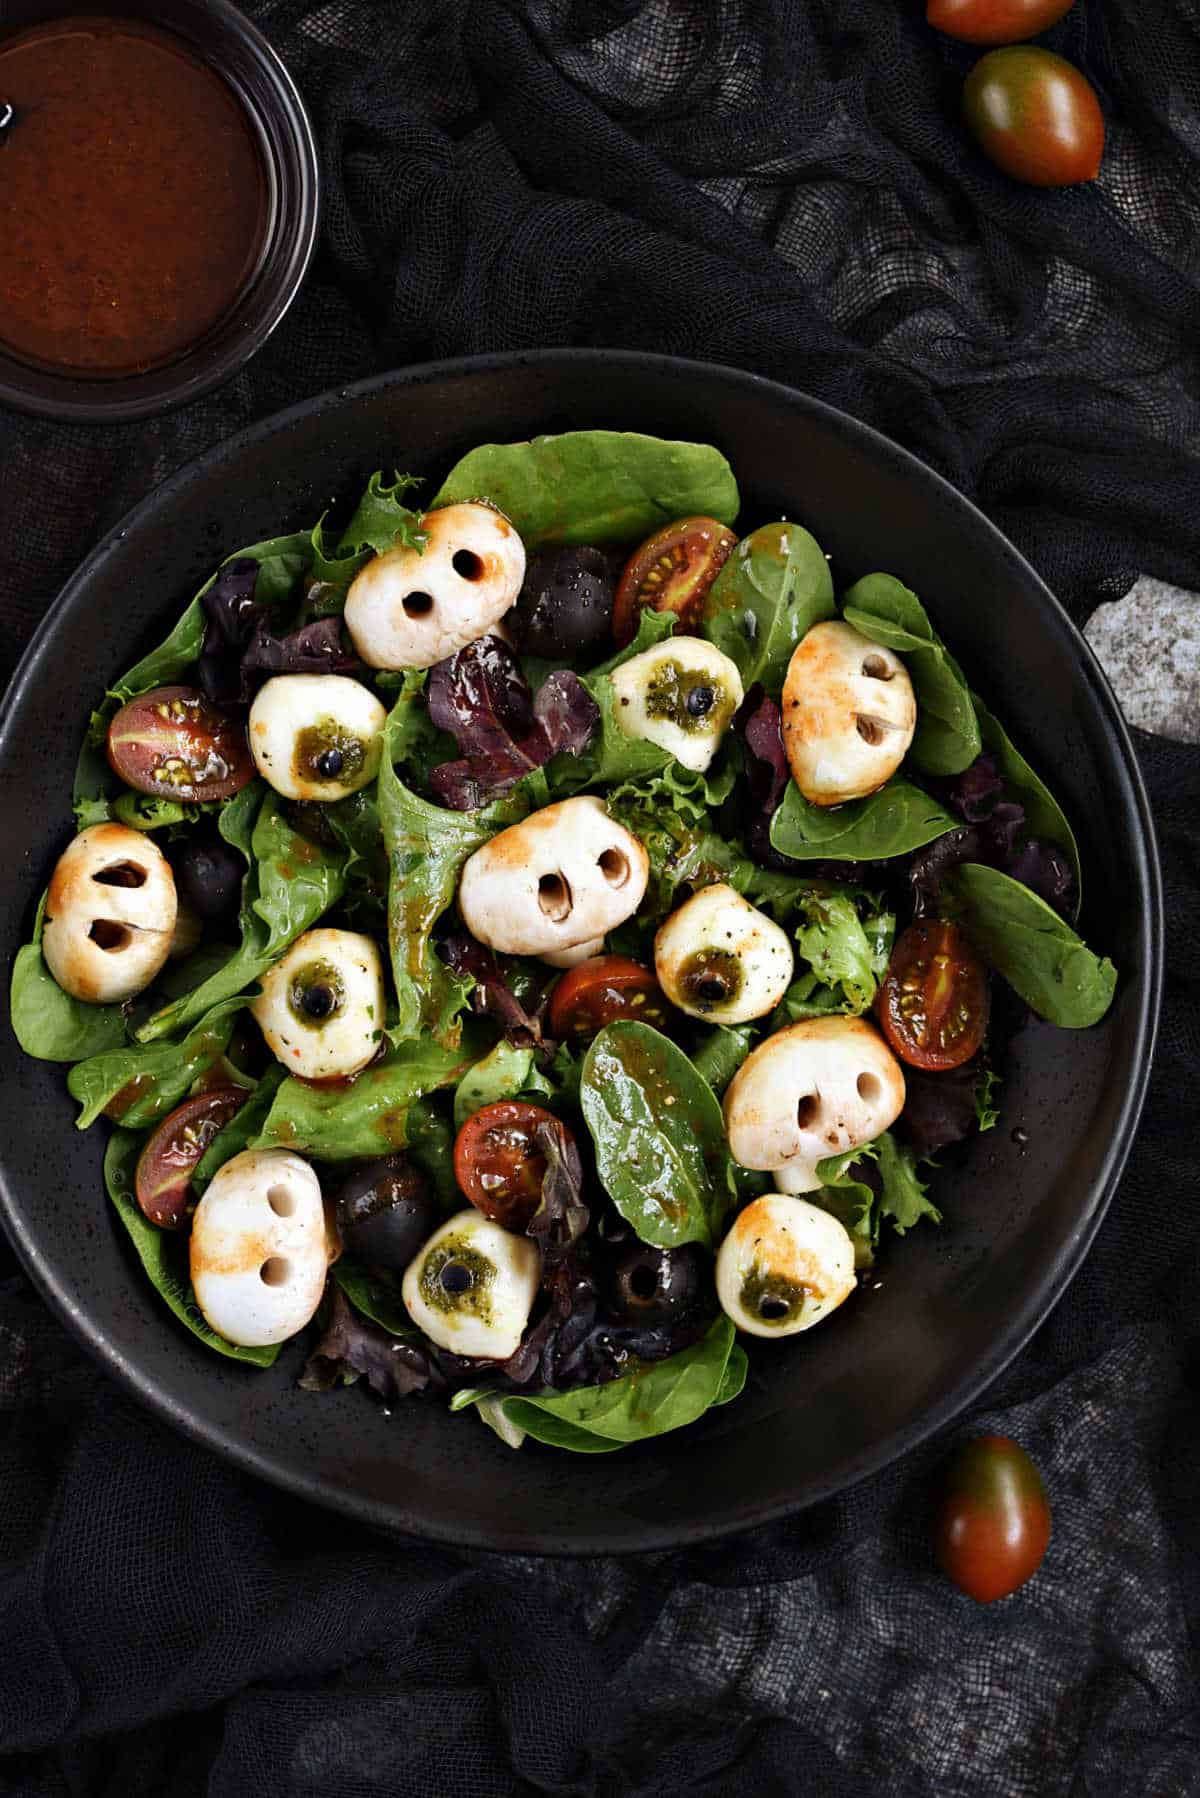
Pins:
<point x="541" y="939"/>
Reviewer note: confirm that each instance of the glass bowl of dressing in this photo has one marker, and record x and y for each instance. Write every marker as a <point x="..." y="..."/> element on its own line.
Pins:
<point x="158" y="203"/>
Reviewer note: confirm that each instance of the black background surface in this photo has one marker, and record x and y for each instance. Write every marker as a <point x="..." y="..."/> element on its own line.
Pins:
<point x="784" y="187"/>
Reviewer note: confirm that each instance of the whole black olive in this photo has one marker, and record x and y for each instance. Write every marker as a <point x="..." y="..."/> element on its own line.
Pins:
<point x="565" y="607"/>
<point x="384" y="1213"/>
<point x="208" y="875"/>
<point x="650" y="1285"/>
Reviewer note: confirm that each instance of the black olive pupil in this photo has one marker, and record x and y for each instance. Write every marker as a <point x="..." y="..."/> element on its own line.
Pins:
<point x="710" y="987"/>
<point x="770" y="1308"/>
<point x="455" y="1277"/>
<point x="317" y="1001"/>
<point x="330" y="763"/>
<point x="700" y="700"/>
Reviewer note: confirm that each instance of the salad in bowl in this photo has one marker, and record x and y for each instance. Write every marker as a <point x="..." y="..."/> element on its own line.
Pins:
<point x="536" y="944"/>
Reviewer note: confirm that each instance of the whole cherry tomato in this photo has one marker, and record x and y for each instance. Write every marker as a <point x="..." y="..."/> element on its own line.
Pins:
<point x="994" y="21"/>
<point x="671" y="572"/>
<point x="593" y="993"/>
<point x="162" y="1181"/>
<point x="175" y="744"/>
<point x="1035" y="116"/>
<point x="497" y="1161"/>
<point x="993" y="1526"/>
<point x="933" y="1004"/>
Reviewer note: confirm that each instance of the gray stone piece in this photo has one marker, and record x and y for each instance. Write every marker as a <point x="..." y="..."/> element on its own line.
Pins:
<point x="1149" y="646"/>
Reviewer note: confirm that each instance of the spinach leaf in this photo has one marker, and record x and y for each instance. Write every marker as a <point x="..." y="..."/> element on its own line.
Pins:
<point x="1044" y="817"/>
<point x="139" y="1085"/>
<point x="659" y="1136"/>
<point x="594" y="486"/>
<point x="903" y="1198"/>
<point x="290" y="882"/>
<point x="163" y="1254"/>
<point x="241" y="1129"/>
<point x="775" y="586"/>
<point x="373" y="1297"/>
<point x="656" y="1397"/>
<point x="947" y="737"/>
<point x="835" y="945"/>
<point x="427" y="846"/>
<point x="366" y="1118"/>
<point x="720" y="1053"/>
<point x="897" y="818"/>
<point x="49" y="1023"/>
<point x="502" y="1074"/>
<point x="1036" y="951"/>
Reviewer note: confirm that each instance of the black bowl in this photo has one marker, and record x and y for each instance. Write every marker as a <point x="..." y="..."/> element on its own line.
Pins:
<point x="239" y="52"/>
<point x="954" y="1304"/>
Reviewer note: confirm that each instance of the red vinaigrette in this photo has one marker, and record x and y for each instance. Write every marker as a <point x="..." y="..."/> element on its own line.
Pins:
<point x="133" y="196"/>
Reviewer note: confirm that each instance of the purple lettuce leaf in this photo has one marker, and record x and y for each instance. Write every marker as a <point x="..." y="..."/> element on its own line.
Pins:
<point x="928" y="867"/>
<point x="760" y="724"/>
<point x="939" y="1109"/>
<point x="481" y="698"/>
<point x="1045" y="870"/>
<point x="492" y="996"/>
<point x="997" y="836"/>
<point x="351" y="1345"/>
<point x="316" y="648"/>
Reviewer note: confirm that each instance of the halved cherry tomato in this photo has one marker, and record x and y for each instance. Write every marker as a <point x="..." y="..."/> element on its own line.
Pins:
<point x="1035" y="116"/>
<point x="498" y="1164"/>
<point x="994" y="21"/>
<point x="175" y="744"/>
<point x="993" y="1524"/>
<point x="162" y="1183"/>
<point x="933" y="1004"/>
<point x="593" y="993"/>
<point x="672" y="572"/>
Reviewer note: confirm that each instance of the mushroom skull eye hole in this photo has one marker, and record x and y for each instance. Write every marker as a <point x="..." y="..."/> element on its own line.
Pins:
<point x="807" y="1111"/>
<point x="869" y="1087"/>
<point x="121" y="874"/>
<point x="554" y="897"/>
<point x="276" y="1270"/>
<point x="871" y="730"/>
<point x="614" y="865"/>
<point x="417" y="605"/>
<point x="109" y="936"/>
<point x="281" y="1201"/>
<point x="711" y="977"/>
<point x="467" y="564"/>
<point x="875" y="668"/>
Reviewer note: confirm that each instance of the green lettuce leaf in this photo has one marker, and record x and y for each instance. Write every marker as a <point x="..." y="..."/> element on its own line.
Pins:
<point x="366" y="1118"/>
<point x="140" y="1084"/>
<point x="658" y="1134"/>
<point x="720" y="1052"/>
<point x="1035" y="950"/>
<point x="834" y="942"/>
<point x="164" y="1254"/>
<point x="594" y="486"/>
<point x="774" y="587"/>
<point x="503" y="1073"/>
<point x="49" y="1023"/>
<point x="947" y="736"/>
<point x="241" y="1129"/>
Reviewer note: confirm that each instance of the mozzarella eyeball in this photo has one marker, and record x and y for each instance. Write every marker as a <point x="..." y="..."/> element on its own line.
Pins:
<point x="560" y="880"/>
<point x="260" y="1247"/>
<point x="681" y="695"/>
<point x="410" y="608"/>
<point x="316" y="736"/>
<point x="321" y="1007"/>
<point x="110" y="914"/>
<point x="813" y="1090"/>
<point x="472" y="1287"/>
<point x="784" y="1265"/>
<point x="848" y="714"/>
<point x="719" y="958"/>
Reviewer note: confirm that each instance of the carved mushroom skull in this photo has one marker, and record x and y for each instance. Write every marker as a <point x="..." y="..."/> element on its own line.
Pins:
<point x="260" y="1247"/>
<point x="784" y="1265"/>
<point x="848" y="714"/>
<point x="316" y="736"/>
<point x="555" y="882"/>
<point x="110" y="914"/>
<point x="472" y="1286"/>
<point x="811" y="1091"/>
<point x="321" y="1006"/>
<point x="410" y="608"/>
<point x="719" y="958"/>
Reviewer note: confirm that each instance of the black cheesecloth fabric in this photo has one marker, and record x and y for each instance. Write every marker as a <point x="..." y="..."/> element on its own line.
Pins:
<point x="783" y="185"/>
